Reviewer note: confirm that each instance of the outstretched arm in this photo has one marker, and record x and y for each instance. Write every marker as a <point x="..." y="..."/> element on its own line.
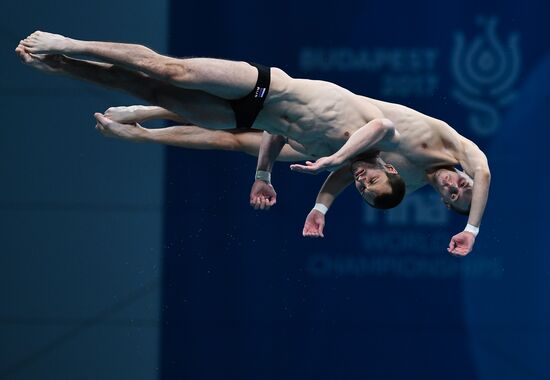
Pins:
<point x="378" y="134"/>
<point x="335" y="183"/>
<point x="476" y="166"/>
<point x="263" y="195"/>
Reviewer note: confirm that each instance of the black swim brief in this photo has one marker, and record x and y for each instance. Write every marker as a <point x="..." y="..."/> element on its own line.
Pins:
<point x="247" y="109"/>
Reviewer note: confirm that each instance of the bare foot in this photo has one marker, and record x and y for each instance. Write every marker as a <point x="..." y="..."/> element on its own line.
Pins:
<point x="42" y="62"/>
<point x="110" y="128"/>
<point x="126" y="115"/>
<point x="47" y="43"/>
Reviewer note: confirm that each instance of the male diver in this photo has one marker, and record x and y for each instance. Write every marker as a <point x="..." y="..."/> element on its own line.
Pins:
<point x="316" y="118"/>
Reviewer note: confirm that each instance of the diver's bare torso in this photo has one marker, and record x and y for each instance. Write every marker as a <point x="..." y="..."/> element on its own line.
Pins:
<point x="318" y="117"/>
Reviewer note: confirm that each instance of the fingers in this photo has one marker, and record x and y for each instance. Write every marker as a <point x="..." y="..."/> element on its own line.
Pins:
<point x="302" y="169"/>
<point x="262" y="202"/>
<point x="452" y="245"/>
<point x="298" y="167"/>
<point x="313" y="231"/>
<point x="457" y="250"/>
<point x="308" y="232"/>
<point x="311" y="234"/>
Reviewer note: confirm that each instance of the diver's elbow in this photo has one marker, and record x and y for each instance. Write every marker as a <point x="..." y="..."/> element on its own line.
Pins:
<point x="386" y="127"/>
<point x="483" y="174"/>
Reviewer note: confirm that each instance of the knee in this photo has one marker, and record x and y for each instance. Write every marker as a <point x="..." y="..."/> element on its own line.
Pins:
<point x="176" y="71"/>
<point x="227" y="141"/>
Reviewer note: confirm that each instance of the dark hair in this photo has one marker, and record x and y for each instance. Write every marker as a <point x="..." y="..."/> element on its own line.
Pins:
<point x="387" y="201"/>
<point x="459" y="211"/>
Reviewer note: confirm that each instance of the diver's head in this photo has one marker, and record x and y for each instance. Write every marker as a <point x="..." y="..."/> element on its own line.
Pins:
<point x="378" y="183"/>
<point x="455" y="188"/>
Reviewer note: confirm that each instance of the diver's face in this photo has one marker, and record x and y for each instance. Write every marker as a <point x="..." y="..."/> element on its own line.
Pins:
<point x="454" y="187"/>
<point x="371" y="180"/>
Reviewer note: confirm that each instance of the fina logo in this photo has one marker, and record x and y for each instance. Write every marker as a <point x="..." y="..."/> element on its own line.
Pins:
<point x="485" y="74"/>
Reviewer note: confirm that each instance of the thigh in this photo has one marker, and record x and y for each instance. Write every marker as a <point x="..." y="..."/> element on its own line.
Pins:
<point x="197" y="107"/>
<point x="222" y="78"/>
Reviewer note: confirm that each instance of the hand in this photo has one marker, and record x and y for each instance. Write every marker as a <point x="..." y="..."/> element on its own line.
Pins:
<point x="324" y="163"/>
<point x="262" y="195"/>
<point x="461" y="244"/>
<point x="315" y="222"/>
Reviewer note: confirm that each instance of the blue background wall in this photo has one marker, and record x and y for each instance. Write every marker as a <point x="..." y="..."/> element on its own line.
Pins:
<point x="246" y="297"/>
<point x="80" y="215"/>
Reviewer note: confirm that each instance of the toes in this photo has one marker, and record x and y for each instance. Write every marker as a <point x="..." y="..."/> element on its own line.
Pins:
<point x="101" y="119"/>
<point x="25" y="58"/>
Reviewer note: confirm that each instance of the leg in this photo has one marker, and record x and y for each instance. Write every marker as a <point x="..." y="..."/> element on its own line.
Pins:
<point x="139" y="114"/>
<point x="194" y="106"/>
<point x="225" y="79"/>
<point x="188" y="136"/>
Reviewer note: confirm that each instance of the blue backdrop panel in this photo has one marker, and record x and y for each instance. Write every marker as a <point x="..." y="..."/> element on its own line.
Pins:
<point x="246" y="297"/>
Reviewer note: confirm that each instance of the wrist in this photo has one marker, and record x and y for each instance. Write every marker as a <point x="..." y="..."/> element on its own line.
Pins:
<point x="337" y="159"/>
<point x="321" y="208"/>
<point x="472" y="229"/>
<point x="263" y="175"/>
